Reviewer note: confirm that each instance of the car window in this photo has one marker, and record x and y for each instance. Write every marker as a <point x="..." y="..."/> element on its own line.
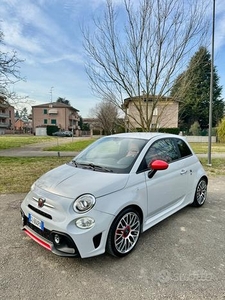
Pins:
<point x="183" y="148"/>
<point x="163" y="149"/>
<point x="117" y="154"/>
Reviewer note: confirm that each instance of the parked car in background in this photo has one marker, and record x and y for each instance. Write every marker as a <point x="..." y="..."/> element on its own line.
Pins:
<point x="63" y="133"/>
<point x="115" y="189"/>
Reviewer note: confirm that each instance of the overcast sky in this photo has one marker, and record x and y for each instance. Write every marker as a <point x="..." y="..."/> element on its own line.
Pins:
<point x="46" y="33"/>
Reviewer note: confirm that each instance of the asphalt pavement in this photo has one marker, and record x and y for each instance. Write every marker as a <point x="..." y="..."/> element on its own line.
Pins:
<point x="182" y="257"/>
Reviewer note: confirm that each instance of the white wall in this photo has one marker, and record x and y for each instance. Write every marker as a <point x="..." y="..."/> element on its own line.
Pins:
<point x="41" y="131"/>
<point x="200" y="139"/>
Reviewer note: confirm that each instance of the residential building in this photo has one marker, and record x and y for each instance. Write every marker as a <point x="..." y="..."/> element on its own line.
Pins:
<point x="164" y="112"/>
<point x="23" y="126"/>
<point x="94" y="126"/>
<point x="64" y="116"/>
<point x="7" y="118"/>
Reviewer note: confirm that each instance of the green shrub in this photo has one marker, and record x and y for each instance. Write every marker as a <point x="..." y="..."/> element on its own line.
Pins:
<point x="195" y="128"/>
<point x="221" y="131"/>
<point x="174" y="130"/>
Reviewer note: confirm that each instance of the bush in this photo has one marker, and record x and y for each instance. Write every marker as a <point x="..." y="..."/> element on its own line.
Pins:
<point x="221" y="131"/>
<point x="174" y="130"/>
<point x="195" y="128"/>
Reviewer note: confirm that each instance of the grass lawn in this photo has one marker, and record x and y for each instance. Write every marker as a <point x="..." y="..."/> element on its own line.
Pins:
<point x="203" y="147"/>
<point x="14" y="141"/>
<point x="75" y="145"/>
<point x="80" y="145"/>
<point x="21" y="172"/>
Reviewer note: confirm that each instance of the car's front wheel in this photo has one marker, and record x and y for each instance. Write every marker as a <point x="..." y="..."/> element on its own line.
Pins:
<point x="124" y="233"/>
<point x="200" y="193"/>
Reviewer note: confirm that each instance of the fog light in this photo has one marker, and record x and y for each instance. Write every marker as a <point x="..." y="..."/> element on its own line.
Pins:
<point x="57" y="239"/>
<point x="85" y="223"/>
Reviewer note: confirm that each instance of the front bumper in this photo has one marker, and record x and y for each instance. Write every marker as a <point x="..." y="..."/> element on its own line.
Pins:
<point x="46" y="238"/>
<point x="59" y="234"/>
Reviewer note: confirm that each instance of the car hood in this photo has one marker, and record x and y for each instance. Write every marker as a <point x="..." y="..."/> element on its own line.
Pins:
<point x="70" y="181"/>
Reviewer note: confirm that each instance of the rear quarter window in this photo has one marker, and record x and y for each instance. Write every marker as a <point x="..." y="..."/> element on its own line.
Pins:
<point x="183" y="148"/>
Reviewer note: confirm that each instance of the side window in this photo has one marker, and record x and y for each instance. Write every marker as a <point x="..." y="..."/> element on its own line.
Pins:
<point x="163" y="149"/>
<point x="183" y="148"/>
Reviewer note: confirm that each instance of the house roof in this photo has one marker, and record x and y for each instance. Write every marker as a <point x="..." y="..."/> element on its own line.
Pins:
<point x="149" y="99"/>
<point x="55" y="105"/>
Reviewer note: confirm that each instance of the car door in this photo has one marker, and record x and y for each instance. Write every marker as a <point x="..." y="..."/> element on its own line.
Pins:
<point x="167" y="189"/>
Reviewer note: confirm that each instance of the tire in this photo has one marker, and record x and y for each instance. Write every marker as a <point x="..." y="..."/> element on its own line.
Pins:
<point x="124" y="233"/>
<point x="200" y="193"/>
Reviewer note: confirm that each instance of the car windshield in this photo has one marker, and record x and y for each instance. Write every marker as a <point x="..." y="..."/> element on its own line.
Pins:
<point x="110" y="154"/>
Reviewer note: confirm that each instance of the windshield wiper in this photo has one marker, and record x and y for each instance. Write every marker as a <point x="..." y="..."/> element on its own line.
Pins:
<point x="97" y="167"/>
<point x="94" y="167"/>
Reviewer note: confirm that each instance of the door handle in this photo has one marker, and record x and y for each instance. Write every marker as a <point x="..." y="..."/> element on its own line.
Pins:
<point x="182" y="172"/>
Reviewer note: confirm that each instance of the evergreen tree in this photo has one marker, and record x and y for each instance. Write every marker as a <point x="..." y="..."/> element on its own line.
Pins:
<point x="192" y="88"/>
<point x="17" y="114"/>
<point x="24" y="114"/>
<point x="63" y="100"/>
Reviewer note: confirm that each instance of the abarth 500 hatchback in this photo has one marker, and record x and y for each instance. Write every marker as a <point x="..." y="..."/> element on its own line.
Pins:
<point x="115" y="189"/>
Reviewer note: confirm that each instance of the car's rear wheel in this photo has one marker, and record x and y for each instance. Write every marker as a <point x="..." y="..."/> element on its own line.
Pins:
<point x="124" y="233"/>
<point x="200" y="193"/>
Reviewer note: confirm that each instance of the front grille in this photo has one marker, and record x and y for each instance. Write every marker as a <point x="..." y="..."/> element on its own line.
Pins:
<point x="40" y="212"/>
<point x="44" y="233"/>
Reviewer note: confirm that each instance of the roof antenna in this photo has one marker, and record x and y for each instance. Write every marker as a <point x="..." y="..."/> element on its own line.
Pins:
<point x="51" y="93"/>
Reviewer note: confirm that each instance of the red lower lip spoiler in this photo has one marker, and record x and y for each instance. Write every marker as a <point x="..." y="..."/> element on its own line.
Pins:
<point x="39" y="241"/>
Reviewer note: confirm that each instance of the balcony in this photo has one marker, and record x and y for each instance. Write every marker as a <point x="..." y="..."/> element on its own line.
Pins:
<point x="4" y="125"/>
<point x="75" y="118"/>
<point x="4" y="115"/>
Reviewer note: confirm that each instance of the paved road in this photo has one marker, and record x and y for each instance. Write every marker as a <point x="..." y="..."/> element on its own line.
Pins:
<point x="37" y="150"/>
<point x="183" y="257"/>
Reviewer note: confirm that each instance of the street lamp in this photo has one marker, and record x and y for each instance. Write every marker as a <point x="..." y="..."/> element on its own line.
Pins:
<point x="211" y="89"/>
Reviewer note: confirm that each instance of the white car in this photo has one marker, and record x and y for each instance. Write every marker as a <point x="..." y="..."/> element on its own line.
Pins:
<point x="115" y="189"/>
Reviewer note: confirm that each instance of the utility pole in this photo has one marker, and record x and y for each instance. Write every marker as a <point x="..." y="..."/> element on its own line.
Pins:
<point x="211" y="88"/>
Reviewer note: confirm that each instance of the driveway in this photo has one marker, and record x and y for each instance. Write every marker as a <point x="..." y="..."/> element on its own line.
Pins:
<point x="183" y="257"/>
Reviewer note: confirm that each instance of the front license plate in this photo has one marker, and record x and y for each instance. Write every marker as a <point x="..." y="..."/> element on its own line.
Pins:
<point x="36" y="222"/>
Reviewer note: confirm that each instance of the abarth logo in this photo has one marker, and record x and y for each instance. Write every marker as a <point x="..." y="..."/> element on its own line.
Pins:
<point x="41" y="202"/>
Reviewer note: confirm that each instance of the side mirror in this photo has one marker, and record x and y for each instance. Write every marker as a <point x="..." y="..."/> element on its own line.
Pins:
<point x="157" y="165"/>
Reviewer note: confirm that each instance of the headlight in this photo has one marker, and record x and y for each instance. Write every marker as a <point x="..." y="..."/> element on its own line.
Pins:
<point x="85" y="222"/>
<point x="84" y="203"/>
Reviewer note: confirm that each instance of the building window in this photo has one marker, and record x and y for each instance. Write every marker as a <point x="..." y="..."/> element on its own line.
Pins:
<point x="45" y="121"/>
<point x="53" y="121"/>
<point x="45" y="111"/>
<point x="155" y="112"/>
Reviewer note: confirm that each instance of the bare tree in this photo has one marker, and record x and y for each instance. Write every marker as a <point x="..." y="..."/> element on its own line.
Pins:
<point x="143" y="53"/>
<point x="10" y="74"/>
<point x="9" y="67"/>
<point x="106" y="114"/>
